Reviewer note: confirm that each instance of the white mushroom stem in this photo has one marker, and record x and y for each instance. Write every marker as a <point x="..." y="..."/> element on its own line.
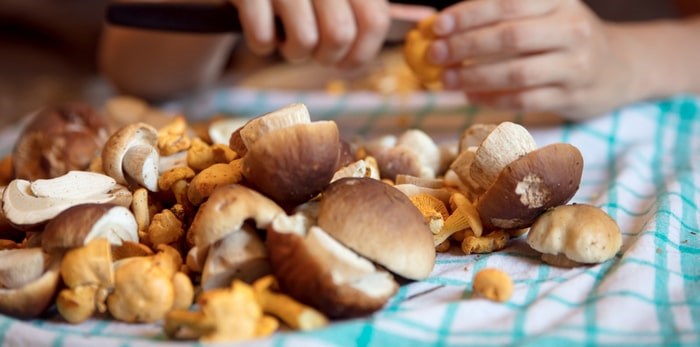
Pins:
<point x="141" y="165"/>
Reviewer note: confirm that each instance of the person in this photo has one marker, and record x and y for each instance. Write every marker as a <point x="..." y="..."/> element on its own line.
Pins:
<point x="559" y="56"/>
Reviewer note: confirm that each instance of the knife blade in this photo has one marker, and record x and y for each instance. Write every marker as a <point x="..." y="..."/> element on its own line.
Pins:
<point x="212" y="18"/>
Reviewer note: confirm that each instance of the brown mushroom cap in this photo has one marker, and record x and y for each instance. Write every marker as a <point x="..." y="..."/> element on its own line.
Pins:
<point x="59" y="139"/>
<point x="83" y="223"/>
<point x="317" y="270"/>
<point x="380" y="223"/>
<point x="293" y="164"/>
<point x="528" y="186"/>
<point x="139" y="137"/>
<point x="227" y="209"/>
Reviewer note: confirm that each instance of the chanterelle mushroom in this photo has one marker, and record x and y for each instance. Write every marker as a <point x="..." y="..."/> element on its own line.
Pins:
<point x="571" y="235"/>
<point x="59" y="139"/>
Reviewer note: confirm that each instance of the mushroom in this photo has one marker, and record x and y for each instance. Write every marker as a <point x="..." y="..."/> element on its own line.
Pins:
<point x="25" y="209"/>
<point x="59" y="139"/>
<point x="413" y="153"/>
<point x="80" y="224"/>
<point x="571" y="235"/>
<point x="288" y="158"/>
<point x="220" y="130"/>
<point x="240" y="255"/>
<point x="380" y="223"/>
<point x="318" y="270"/>
<point x="28" y="281"/>
<point x="131" y="155"/>
<point x="528" y="186"/>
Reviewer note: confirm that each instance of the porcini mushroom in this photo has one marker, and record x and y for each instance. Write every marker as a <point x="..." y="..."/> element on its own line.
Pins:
<point x="413" y="153"/>
<point x="131" y="152"/>
<point x="59" y="139"/>
<point x="528" y="186"/>
<point x="380" y="223"/>
<point x="570" y="235"/>
<point x="29" y="279"/>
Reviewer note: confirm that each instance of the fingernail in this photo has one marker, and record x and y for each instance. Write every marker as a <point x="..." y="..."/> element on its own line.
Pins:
<point x="444" y="25"/>
<point x="437" y="52"/>
<point x="450" y="79"/>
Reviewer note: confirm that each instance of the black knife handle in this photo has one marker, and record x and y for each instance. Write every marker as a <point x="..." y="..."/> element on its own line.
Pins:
<point x="179" y="17"/>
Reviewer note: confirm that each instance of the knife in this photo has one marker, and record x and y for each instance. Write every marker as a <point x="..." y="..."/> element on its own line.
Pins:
<point x="211" y="18"/>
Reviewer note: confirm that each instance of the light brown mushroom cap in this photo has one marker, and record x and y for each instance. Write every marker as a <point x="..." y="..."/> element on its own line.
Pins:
<point x="544" y="178"/>
<point x="137" y="137"/>
<point x="20" y="266"/>
<point x="292" y="165"/>
<point x="34" y="297"/>
<point x="317" y="270"/>
<point x="227" y="209"/>
<point x="583" y="233"/>
<point x="285" y="117"/>
<point x="413" y="153"/>
<point x="81" y="224"/>
<point x="380" y="223"/>
<point x="474" y="135"/>
<point x="239" y="255"/>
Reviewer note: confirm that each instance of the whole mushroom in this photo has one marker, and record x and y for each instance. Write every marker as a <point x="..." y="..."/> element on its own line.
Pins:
<point x="59" y="139"/>
<point x="29" y="279"/>
<point x="571" y="235"/>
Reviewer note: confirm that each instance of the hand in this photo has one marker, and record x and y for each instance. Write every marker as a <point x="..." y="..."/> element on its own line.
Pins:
<point x="333" y="32"/>
<point x="531" y="56"/>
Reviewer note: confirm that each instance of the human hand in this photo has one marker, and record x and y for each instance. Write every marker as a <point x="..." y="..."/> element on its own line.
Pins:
<point x="531" y="56"/>
<point x="344" y="33"/>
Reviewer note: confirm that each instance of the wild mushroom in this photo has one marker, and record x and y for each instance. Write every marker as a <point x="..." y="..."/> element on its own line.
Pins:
<point x="30" y="204"/>
<point x="130" y="155"/>
<point x="80" y="224"/>
<point x="240" y="255"/>
<point x="528" y="186"/>
<point x="380" y="223"/>
<point x="413" y="153"/>
<point x="58" y="140"/>
<point x="28" y="281"/>
<point x="316" y="269"/>
<point x="220" y="130"/>
<point x="288" y="158"/>
<point x="571" y="235"/>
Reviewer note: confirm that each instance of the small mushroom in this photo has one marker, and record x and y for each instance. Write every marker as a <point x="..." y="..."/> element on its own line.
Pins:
<point x="26" y="210"/>
<point x="80" y="224"/>
<point x="413" y="153"/>
<point x="571" y="235"/>
<point x="290" y="160"/>
<point x="380" y="223"/>
<point x="528" y="186"/>
<point x="131" y="155"/>
<point x="59" y="139"/>
<point x="316" y="269"/>
<point x="27" y="295"/>
<point x="220" y="130"/>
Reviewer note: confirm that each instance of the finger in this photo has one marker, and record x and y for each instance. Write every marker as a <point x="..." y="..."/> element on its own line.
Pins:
<point x="337" y="30"/>
<point x="508" y="38"/>
<point x="372" y="19"/>
<point x="471" y="14"/>
<point x="301" y="32"/>
<point x="526" y="72"/>
<point x="543" y="99"/>
<point x="257" y="20"/>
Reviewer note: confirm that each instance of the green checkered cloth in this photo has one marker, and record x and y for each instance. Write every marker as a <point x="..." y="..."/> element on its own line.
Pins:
<point x="642" y="166"/>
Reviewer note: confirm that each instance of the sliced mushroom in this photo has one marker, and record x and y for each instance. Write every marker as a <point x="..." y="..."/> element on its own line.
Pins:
<point x="240" y="255"/>
<point x="81" y="224"/>
<point x="36" y="294"/>
<point x="380" y="223"/>
<point x="25" y="210"/>
<point x="317" y="270"/>
<point x="130" y="155"/>
<point x="220" y="130"/>
<point x="542" y="179"/>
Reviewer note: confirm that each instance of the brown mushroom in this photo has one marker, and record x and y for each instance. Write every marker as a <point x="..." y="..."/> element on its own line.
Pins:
<point x="130" y="155"/>
<point x="413" y="153"/>
<point x="316" y="269"/>
<point x="380" y="223"/>
<point x="29" y="281"/>
<point x="528" y="186"/>
<point x="81" y="224"/>
<point x="59" y="139"/>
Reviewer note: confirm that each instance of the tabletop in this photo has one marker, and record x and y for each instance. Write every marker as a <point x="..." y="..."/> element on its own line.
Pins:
<point x="641" y="166"/>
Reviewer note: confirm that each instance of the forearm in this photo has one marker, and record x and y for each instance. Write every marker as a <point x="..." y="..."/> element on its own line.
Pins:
<point x="663" y="57"/>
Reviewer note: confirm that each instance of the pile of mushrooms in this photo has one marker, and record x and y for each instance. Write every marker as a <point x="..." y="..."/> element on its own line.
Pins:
<point x="276" y="214"/>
